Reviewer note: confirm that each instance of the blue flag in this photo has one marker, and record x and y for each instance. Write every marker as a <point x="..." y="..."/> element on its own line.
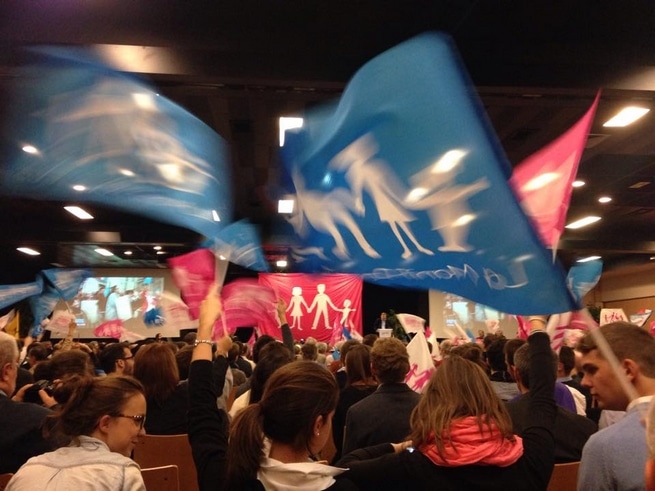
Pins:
<point x="84" y="132"/>
<point x="403" y="182"/>
<point x="12" y="294"/>
<point x="582" y="278"/>
<point x="239" y="243"/>
<point x="66" y="281"/>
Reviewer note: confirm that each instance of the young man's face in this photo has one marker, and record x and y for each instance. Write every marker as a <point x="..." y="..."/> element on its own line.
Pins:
<point x="603" y="382"/>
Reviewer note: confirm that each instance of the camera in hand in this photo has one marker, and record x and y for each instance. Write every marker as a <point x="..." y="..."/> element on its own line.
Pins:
<point x="32" y="394"/>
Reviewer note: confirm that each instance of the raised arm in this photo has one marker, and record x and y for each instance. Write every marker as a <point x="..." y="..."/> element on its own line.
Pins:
<point x="208" y="425"/>
<point x="287" y="337"/>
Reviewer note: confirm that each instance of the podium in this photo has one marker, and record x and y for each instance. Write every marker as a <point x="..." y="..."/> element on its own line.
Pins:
<point x="385" y="333"/>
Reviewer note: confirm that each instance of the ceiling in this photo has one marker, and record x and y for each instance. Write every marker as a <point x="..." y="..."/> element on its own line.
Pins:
<point x="240" y="64"/>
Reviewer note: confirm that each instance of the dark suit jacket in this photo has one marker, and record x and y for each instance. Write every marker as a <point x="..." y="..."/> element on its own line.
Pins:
<point x="382" y="417"/>
<point x="571" y="430"/>
<point x="20" y="433"/>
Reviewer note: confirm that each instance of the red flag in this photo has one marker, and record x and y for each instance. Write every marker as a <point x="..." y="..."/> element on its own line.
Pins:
<point x="542" y="182"/>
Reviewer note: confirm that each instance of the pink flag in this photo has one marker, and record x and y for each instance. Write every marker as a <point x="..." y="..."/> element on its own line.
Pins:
<point x="542" y="182"/>
<point x="247" y="303"/>
<point x="421" y="365"/>
<point x="193" y="274"/>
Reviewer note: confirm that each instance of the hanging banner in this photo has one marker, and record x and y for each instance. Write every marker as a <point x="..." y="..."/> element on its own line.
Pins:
<point x="319" y="304"/>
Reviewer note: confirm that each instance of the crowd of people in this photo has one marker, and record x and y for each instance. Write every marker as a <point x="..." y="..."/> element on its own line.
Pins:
<point x="496" y="414"/>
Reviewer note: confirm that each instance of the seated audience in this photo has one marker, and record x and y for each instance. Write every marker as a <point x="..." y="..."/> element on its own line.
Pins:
<point x="20" y="422"/>
<point x="103" y="418"/>
<point x="614" y="458"/>
<point x="501" y="380"/>
<point x="571" y="431"/>
<point x="340" y="371"/>
<point x="384" y="415"/>
<point x="359" y="385"/>
<point x="117" y="359"/>
<point x="155" y="367"/>
<point x="309" y="352"/>
<point x="462" y="434"/>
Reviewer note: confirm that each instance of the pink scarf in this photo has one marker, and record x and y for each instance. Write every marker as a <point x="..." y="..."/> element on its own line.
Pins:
<point x="468" y="446"/>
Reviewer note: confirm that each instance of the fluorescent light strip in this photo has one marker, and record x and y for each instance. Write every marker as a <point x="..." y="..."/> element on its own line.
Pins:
<point x="28" y="251"/>
<point x="104" y="252"/>
<point x="626" y="116"/>
<point x="285" y="206"/>
<point x="78" y="212"/>
<point x="587" y="259"/>
<point x="583" y="222"/>
<point x="281" y="263"/>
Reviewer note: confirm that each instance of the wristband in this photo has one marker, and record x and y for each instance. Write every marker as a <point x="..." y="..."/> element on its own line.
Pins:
<point x="203" y="341"/>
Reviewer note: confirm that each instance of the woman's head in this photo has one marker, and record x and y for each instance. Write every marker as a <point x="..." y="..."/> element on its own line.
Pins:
<point x="358" y="364"/>
<point x="296" y="410"/>
<point x="111" y="409"/>
<point x="155" y="366"/>
<point x="70" y="362"/>
<point x="459" y="388"/>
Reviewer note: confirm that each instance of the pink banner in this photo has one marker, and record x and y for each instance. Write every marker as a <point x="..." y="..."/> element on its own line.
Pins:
<point x="319" y="304"/>
<point x="193" y="274"/>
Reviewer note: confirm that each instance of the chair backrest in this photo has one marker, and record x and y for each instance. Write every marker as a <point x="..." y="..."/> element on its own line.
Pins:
<point x="160" y="450"/>
<point x="164" y="478"/>
<point x="564" y="477"/>
<point x="4" y="480"/>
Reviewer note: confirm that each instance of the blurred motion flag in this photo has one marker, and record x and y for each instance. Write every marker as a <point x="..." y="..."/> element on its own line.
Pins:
<point x="193" y="274"/>
<point x="11" y="294"/>
<point x="411" y="323"/>
<point x="66" y="281"/>
<point x="239" y="243"/>
<point x="421" y="364"/>
<point x="403" y="182"/>
<point x="86" y="133"/>
<point x="247" y="303"/>
<point x="543" y="181"/>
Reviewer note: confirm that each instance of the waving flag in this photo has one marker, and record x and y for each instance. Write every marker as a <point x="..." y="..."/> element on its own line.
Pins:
<point x="66" y="281"/>
<point x="193" y="274"/>
<point x="403" y="182"/>
<point x="80" y="124"/>
<point x="240" y="244"/>
<point x="12" y="294"/>
<point x="421" y="365"/>
<point x="543" y="181"/>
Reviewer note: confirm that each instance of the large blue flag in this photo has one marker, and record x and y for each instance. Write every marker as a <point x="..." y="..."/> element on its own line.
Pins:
<point x="582" y="277"/>
<point x="11" y="294"/>
<point x="84" y="132"/>
<point x="403" y="182"/>
<point x="240" y="244"/>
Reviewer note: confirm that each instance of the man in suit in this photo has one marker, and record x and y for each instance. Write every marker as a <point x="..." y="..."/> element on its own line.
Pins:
<point x="571" y="430"/>
<point x="20" y="424"/>
<point x="383" y="416"/>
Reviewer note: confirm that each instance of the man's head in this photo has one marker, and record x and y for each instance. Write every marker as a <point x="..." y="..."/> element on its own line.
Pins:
<point x="383" y="316"/>
<point x="389" y="360"/>
<point x="522" y="367"/>
<point x="634" y="349"/>
<point x="117" y="359"/>
<point x="8" y="363"/>
<point x="566" y="361"/>
<point x="496" y="355"/>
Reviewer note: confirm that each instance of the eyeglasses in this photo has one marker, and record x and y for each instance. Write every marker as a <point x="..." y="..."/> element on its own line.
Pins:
<point x="139" y="419"/>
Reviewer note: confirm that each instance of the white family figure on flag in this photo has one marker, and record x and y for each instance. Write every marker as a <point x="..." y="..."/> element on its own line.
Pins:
<point x="295" y="303"/>
<point x="321" y="302"/>
<point x="374" y="176"/>
<point x="346" y="321"/>
<point x="445" y="202"/>
<point x="323" y="211"/>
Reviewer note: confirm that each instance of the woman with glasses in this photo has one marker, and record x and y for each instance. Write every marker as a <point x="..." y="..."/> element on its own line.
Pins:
<point x="102" y="418"/>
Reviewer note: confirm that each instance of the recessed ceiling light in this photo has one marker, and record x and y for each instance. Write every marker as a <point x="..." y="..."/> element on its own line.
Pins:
<point x="288" y="124"/>
<point x="128" y="253"/>
<point x="157" y="248"/>
<point x="161" y="252"/>
<point x="639" y="184"/>
<point x="78" y="212"/>
<point x="222" y="257"/>
<point x="79" y="187"/>
<point x="626" y="116"/>
<point x="285" y="206"/>
<point x="583" y="222"/>
<point x="587" y="259"/>
<point x="604" y="199"/>
<point x="31" y="149"/>
<point x="215" y="216"/>
<point x="104" y="252"/>
<point x="127" y="172"/>
<point x="282" y="263"/>
<point x="28" y="251"/>
<point x="578" y="183"/>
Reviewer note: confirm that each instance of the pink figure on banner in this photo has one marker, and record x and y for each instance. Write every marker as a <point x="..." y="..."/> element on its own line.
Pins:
<point x="321" y="301"/>
<point x="346" y="320"/>
<point x="295" y="303"/>
<point x="417" y="379"/>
